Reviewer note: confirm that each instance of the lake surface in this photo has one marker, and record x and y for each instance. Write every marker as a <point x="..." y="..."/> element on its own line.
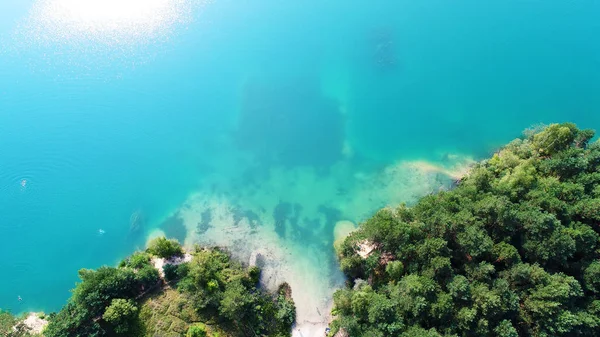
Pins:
<point x="259" y="125"/>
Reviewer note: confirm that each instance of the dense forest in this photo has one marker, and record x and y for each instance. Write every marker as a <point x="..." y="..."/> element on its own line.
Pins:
<point x="512" y="250"/>
<point x="203" y="293"/>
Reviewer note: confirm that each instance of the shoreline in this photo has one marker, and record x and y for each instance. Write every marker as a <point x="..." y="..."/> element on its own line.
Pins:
<point x="32" y="323"/>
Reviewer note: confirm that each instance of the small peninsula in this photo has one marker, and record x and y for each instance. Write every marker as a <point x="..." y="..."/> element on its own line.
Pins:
<point x="200" y="293"/>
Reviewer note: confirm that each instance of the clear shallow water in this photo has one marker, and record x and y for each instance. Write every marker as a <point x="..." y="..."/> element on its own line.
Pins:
<point x="259" y="124"/>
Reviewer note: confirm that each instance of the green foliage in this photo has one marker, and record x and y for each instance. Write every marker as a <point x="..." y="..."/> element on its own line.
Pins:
<point x="175" y="272"/>
<point x="147" y="278"/>
<point x="591" y="277"/>
<point x="170" y="271"/>
<point x="129" y="300"/>
<point x="164" y="248"/>
<point x="121" y="314"/>
<point x="395" y="269"/>
<point x="167" y="312"/>
<point x="285" y="315"/>
<point x="513" y="250"/>
<point x="196" y="330"/>
<point x="554" y="138"/>
<point x="74" y="320"/>
<point x="7" y="321"/>
<point x="97" y="290"/>
<point x="221" y="287"/>
<point x="137" y="260"/>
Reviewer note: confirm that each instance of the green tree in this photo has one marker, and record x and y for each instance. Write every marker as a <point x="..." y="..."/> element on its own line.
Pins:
<point x="170" y="271"/>
<point x="506" y="329"/>
<point x="137" y="260"/>
<point x="197" y="330"/>
<point x="591" y="277"/>
<point x="147" y="278"/>
<point x="164" y="248"/>
<point x="554" y="138"/>
<point x="395" y="269"/>
<point x="121" y="314"/>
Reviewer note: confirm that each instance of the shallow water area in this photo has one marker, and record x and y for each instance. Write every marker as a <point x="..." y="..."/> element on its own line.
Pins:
<point x="259" y="125"/>
<point x="282" y="225"/>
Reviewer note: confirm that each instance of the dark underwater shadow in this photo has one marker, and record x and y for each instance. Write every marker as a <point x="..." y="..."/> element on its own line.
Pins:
<point x="290" y="123"/>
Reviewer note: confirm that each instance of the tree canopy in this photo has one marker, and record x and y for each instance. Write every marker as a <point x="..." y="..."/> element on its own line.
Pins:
<point x="165" y="248"/>
<point x="218" y="285"/>
<point x="512" y="250"/>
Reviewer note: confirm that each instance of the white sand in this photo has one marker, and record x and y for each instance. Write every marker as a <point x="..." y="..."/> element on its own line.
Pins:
<point x="365" y="248"/>
<point x="34" y="323"/>
<point x="308" y="329"/>
<point x="456" y="172"/>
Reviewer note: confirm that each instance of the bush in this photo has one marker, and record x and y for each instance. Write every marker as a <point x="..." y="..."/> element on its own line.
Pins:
<point x="91" y="297"/>
<point x="7" y="321"/>
<point x="164" y="248"/>
<point x="286" y="309"/>
<point x="197" y="330"/>
<point x="139" y="260"/>
<point x="175" y="272"/>
<point x="147" y="277"/>
<point x="170" y="271"/>
<point x="120" y="314"/>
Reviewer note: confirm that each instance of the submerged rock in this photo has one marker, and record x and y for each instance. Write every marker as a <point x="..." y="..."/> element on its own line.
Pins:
<point x="137" y="221"/>
<point x="382" y="48"/>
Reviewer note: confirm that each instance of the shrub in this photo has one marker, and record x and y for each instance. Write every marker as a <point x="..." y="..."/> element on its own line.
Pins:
<point x="120" y="314"/>
<point x="7" y="321"/>
<point x="170" y="271"/>
<point x="147" y="277"/>
<point x="164" y="248"/>
<point x="197" y="330"/>
<point x="139" y="260"/>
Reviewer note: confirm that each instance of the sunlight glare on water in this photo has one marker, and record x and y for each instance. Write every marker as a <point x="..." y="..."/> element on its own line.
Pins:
<point x="108" y="21"/>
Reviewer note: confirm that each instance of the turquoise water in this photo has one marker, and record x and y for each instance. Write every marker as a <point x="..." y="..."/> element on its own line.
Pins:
<point x="288" y="115"/>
